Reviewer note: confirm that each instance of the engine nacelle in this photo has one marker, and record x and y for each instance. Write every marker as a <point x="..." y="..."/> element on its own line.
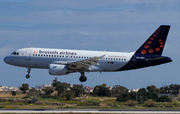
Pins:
<point x="55" y="69"/>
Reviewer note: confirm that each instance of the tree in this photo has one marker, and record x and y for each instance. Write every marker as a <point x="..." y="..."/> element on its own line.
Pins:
<point x="152" y="96"/>
<point x="162" y="90"/>
<point x="142" y="91"/>
<point x="61" y="88"/>
<point x="117" y="90"/>
<point x="48" y="90"/>
<point x="33" y="92"/>
<point x="102" y="90"/>
<point x="163" y="99"/>
<point x="152" y="89"/>
<point x="124" y="97"/>
<point x="24" y="87"/>
<point x="34" y="99"/>
<point x="70" y="94"/>
<point x="13" y="93"/>
<point x="78" y="89"/>
<point x="54" y="82"/>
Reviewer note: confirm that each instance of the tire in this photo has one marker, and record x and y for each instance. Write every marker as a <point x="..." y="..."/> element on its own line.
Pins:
<point x="82" y="79"/>
<point x="27" y="76"/>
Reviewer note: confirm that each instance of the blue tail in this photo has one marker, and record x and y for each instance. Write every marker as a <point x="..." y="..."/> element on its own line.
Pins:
<point x="156" y="42"/>
<point x="149" y="54"/>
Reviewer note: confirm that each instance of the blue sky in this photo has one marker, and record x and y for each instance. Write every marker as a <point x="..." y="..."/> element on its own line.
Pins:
<point x="118" y="25"/>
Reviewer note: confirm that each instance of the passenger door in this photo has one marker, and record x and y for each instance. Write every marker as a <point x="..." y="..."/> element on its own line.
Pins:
<point x="28" y="55"/>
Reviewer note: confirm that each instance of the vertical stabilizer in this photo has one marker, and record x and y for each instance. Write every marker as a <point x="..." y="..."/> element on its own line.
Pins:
<point x="156" y="42"/>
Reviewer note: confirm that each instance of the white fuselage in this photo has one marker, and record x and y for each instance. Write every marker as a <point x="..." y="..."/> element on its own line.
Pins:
<point x="43" y="57"/>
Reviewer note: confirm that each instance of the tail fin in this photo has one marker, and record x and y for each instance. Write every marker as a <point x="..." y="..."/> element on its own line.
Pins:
<point x="156" y="42"/>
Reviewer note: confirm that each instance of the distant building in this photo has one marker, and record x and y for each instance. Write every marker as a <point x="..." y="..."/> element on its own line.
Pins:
<point x="43" y="86"/>
<point x="88" y="89"/>
<point x="5" y="88"/>
<point x="133" y="90"/>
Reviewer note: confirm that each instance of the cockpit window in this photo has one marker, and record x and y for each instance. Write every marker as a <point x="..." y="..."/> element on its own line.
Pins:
<point x="15" y="53"/>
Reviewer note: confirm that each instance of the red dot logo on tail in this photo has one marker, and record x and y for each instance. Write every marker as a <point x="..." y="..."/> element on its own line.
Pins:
<point x="146" y="46"/>
<point x="157" y="49"/>
<point x="149" y="42"/>
<point x="143" y="51"/>
<point x="161" y="46"/>
<point x="151" y="50"/>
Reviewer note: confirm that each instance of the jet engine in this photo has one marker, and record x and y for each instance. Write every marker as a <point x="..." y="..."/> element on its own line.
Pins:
<point x="55" y="69"/>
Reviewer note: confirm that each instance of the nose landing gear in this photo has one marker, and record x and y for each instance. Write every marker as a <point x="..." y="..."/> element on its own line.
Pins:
<point x="28" y="76"/>
<point x="83" y="78"/>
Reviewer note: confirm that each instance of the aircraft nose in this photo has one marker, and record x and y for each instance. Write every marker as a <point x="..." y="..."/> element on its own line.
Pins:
<point x="7" y="59"/>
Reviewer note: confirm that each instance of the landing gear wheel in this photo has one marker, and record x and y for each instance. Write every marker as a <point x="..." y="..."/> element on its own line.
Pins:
<point x="27" y="76"/>
<point x="82" y="79"/>
<point x="85" y="78"/>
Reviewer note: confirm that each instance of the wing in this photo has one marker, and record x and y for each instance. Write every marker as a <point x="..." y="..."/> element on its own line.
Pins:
<point x="82" y="64"/>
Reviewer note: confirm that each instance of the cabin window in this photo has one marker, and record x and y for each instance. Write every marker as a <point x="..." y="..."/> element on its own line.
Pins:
<point x="57" y="56"/>
<point x="33" y="54"/>
<point x="54" y="55"/>
<point x="49" y="55"/>
<point x="62" y="56"/>
<point x="46" y="55"/>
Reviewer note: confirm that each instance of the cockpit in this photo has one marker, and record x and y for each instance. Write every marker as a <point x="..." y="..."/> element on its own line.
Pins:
<point x="15" y="53"/>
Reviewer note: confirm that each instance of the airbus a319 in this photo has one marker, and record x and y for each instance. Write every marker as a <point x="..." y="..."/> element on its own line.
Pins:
<point x="65" y="61"/>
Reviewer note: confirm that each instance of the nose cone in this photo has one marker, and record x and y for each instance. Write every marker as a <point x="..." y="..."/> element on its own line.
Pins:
<point x="7" y="59"/>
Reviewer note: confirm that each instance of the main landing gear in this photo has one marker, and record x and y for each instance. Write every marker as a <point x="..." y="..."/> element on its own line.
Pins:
<point x="83" y="77"/>
<point x="28" y="76"/>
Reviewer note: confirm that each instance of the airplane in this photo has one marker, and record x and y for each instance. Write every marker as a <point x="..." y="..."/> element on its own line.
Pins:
<point x="65" y="61"/>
